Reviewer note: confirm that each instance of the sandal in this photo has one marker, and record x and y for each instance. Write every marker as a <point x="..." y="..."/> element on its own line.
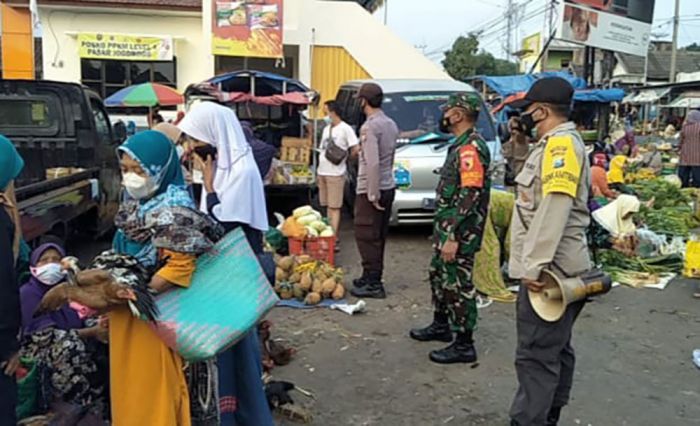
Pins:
<point x="696" y="295"/>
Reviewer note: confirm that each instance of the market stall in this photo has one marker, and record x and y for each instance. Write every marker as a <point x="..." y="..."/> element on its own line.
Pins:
<point x="272" y="105"/>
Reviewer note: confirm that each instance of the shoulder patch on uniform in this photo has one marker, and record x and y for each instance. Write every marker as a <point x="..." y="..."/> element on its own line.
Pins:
<point x="561" y="170"/>
<point x="471" y="170"/>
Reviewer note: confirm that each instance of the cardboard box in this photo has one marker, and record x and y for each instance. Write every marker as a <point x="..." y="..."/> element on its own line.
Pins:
<point x="296" y="150"/>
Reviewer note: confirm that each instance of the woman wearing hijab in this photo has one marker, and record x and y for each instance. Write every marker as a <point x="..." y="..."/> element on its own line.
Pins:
<point x="627" y="145"/>
<point x="599" y="178"/>
<point x="235" y="197"/>
<point x="55" y="340"/>
<point x="689" y="166"/>
<point x="11" y="165"/>
<point x="148" y="384"/>
<point x="616" y="174"/>
<point x="613" y="225"/>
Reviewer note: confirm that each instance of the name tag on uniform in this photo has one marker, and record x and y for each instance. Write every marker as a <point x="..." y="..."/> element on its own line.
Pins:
<point x="561" y="170"/>
<point x="471" y="170"/>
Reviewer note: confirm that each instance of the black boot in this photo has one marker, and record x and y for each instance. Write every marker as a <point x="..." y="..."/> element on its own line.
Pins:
<point x="360" y="282"/>
<point x="462" y="350"/>
<point x="438" y="331"/>
<point x="372" y="289"/>
<point x="553" y="416"/>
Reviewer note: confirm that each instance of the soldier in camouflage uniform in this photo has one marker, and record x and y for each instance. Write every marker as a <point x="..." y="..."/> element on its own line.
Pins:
<point x="461" y="204"/>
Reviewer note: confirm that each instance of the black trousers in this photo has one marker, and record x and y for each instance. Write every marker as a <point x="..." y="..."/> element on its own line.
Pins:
<point x="371" y="231"/>
<point x="690" y="176"/>
<point x="8" y="400"/>
<point x="544" y="362"/>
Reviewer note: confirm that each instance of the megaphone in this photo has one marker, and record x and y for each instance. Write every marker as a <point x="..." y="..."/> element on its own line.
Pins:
<point x="550" y="303"/>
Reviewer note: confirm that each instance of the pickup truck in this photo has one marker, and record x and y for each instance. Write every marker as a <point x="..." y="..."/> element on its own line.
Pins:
<point x="70" y="181"/>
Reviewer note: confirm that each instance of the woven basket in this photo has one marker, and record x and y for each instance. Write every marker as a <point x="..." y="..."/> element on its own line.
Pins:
<point x="229" y="294"/>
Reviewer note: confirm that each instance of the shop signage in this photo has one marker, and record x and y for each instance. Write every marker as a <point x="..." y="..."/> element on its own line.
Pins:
<point x="250" y="28"/>
<point x="125" y="47"/>
<point x="617" y="25"/>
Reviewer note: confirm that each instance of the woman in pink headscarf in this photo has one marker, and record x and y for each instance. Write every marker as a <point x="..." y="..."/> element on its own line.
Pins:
<point x="689" y="167"/>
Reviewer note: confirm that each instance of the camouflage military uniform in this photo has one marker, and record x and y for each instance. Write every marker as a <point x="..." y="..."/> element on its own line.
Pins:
<point x="461" y="216"/>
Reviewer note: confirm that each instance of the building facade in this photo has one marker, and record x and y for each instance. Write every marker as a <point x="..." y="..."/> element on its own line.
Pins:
<point x="325" y="44"/>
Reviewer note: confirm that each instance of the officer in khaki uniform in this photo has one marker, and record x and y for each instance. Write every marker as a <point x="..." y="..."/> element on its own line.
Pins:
<point x="548" y="232"/>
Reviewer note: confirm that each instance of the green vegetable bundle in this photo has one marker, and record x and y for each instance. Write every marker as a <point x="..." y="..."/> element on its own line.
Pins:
<point x="671" y="213"/>
<point x="665" y="194"/>
<point x="613" y="260"/>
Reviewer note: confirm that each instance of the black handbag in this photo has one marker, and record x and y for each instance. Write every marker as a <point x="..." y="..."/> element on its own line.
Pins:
<point x="333" y="152"/>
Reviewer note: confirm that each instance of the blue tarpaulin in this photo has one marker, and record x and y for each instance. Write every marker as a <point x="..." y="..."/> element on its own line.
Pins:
<point x="599" y="95"/>
<point x="512" y="84"/>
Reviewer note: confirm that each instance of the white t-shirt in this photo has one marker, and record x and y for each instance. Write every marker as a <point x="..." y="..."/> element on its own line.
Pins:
<point x="344" y="137"/>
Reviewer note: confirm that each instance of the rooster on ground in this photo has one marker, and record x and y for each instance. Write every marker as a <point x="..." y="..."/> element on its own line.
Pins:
<point x="111" y="280"/>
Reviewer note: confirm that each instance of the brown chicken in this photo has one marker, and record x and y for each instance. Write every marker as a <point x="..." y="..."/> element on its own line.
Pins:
<point x="113" y="280"/>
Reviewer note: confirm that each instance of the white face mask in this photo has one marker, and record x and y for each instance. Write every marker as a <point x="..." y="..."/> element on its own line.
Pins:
<point x="327" y="119"/>
<point x="49" y="274"/>
<point x="180" y="151"/>
<point x="137" y="186"/>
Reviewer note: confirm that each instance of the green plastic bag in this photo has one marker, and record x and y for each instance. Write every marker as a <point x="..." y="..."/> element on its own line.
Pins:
<point x="28" y="390"/>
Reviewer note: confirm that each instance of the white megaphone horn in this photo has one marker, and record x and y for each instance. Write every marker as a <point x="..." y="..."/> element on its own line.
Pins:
<point x="550" y="303"/>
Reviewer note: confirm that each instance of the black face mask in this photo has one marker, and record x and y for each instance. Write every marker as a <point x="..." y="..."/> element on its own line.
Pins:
<point x="445" y="125"/>
<point x="528" y="123"/>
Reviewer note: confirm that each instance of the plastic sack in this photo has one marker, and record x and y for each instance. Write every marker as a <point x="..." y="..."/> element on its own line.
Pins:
<point x="293" y="229"/>
<point x="691" y="267"/>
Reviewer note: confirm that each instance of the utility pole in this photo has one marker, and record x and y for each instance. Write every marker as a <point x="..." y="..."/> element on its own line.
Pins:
<point x="510" y="15"/>
<point x="386" y="12"/>
<point x="674" y="45"/>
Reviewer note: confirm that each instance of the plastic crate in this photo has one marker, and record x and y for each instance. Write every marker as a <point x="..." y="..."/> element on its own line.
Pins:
<point x="320" y="248"/>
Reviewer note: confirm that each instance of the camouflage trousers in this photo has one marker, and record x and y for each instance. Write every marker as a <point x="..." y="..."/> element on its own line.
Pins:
<point x="453" y="291"/>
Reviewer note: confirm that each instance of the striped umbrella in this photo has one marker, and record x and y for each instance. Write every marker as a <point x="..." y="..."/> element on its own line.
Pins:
<point x="145" y="95"/>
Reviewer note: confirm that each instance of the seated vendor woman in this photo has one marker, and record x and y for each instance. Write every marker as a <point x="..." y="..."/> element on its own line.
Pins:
<point x="613" y="225"/>
<point x="59" y="341"/>
<point x="616" y="174"/>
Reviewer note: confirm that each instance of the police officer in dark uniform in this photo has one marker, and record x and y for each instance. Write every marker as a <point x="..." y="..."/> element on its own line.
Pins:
<point x="548" y="232"/>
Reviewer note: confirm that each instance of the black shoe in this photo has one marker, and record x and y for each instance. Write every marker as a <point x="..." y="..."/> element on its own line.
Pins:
<point x="553" y="416"/>
<point x="369" y="291"/>
<point x="461" y="351"/>
<point x="438" y="331"/>
<point x="360" y="282"/>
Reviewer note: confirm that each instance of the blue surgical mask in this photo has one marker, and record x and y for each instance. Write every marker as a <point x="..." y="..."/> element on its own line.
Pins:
<point x="327" y="119"/>
<point x="49" y="274"/>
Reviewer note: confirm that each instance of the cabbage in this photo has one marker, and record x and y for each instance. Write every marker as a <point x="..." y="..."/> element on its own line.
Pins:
<point x="302" y="211"/>
<point x="311" y="232"/>
<point x="306" y="220"/>
<point x="328" y="232"/>
<point x="318" y="225"/>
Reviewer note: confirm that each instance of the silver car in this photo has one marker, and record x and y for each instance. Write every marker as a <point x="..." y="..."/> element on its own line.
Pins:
<point x="415" y="107"/>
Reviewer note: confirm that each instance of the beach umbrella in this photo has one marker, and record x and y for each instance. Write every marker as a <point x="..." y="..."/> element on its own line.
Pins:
<point x="145" y="95"/>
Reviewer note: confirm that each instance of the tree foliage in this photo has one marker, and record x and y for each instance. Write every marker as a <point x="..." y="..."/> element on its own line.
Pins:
<point x="694" y="47"/>
<point x="465" y="60"/>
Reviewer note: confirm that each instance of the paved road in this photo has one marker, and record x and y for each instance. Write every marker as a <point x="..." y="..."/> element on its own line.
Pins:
<point x="634" y="355"/>
<point x="634" y="364"/>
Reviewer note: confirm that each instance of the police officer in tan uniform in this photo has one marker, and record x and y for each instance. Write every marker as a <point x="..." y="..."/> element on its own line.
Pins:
<point x="548" y="232"/>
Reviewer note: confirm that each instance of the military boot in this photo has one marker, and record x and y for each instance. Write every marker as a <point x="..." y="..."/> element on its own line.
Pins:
<point x="371" y="290"/>
<point x="553" y="416"/>
<point x="462" y="350"/>
<point x="360" y="282"/>
<point x="371" y="287"/>
<point x="438" y="331"/>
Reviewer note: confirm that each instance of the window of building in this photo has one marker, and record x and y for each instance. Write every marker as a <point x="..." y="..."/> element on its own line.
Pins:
<point x="107" y="77"/>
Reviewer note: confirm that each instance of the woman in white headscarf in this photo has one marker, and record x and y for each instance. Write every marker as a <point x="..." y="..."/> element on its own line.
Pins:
<point x="235" y="197"/>
<point x="614" y="225"/>
<point x="235" y="194"/>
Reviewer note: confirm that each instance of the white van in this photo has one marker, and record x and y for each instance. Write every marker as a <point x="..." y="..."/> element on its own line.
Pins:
<point x="415" y="107"/>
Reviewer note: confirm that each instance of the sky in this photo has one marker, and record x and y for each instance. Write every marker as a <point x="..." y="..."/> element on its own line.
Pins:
<point x="433" y="26"/>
